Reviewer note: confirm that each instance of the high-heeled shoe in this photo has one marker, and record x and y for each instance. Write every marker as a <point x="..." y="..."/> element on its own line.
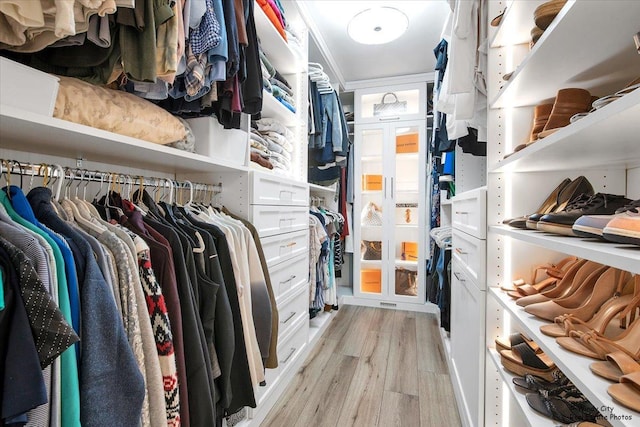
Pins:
<point x="616" y="365"/>
<point x="547" y="206"/>
<point x="554" y="272"/>
<point x="569" y="194"/>
<point x="585" y="279"/>
<point x="627" y="297"/>
<point x="628" y="391"/>
<point x="596" y="346"/>
<point x="565" y="287"/>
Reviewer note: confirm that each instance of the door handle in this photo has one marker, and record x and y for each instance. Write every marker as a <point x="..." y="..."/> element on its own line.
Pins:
<point x="392" y="187"/>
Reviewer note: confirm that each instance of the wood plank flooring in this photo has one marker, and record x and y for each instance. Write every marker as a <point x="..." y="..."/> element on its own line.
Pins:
<point x="372" y="367"/>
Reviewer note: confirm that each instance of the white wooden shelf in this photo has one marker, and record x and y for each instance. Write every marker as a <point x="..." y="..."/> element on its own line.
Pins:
<point x="534" y="419"/>
<point x="406" y="264"/>
<point x="516" y="24"/>
<point x="610" y="63"/>
<point x="25" y="131"/>
<point x="315" y="188"/>
<point x="277" y="50"/>
<point x="574" y="366"/>
<point x="624" y="257"/>
<point x="609" y="135"/>
<point x="273" y="108"/>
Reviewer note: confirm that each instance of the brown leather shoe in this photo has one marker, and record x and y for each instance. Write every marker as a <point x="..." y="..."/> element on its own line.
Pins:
<point x="568" y="102"/>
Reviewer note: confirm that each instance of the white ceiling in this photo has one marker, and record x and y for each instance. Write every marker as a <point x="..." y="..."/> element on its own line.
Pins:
<point x="349" y="61"/>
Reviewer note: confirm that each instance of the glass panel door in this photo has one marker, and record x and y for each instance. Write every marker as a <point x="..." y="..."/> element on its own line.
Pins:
<point x="372" y="214"/>
<point x="405" y="194"/>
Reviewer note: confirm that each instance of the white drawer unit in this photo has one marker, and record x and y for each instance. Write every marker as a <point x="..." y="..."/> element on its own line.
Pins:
<point x="467" y="344"/>
<point x="469" y="212"/>
<point x="272" y="220"/>
<point x="470" y="254"/>
<point x="292" y="344"/>
<point x="282" y="247"/>
<point x="274" y="190"/>
<point x="292" y="308"/>
<point x="289" y="275"/>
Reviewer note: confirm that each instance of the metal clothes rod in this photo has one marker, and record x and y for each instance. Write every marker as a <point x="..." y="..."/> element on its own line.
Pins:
<point x="57" y="175"/>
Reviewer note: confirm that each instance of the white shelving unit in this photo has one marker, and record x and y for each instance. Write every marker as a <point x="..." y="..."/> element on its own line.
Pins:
<point x="625" y="257"/>
<point x="27" y="131"/>
<point x="532" y="418"/>
<point x="574" y="366"/>
<point x="588" y="135"/>
<point x="516" y="24"/>
<point x="607" y="33"/>
<point x="602" y="146"/>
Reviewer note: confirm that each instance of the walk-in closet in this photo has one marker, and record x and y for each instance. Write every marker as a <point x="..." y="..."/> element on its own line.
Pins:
<point x="319" y="213"/>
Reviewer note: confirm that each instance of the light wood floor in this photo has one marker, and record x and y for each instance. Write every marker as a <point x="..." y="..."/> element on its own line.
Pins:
<point x="372" y="367"/>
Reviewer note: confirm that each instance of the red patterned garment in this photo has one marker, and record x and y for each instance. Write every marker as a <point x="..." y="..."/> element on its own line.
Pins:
<point x="161" y="330"/>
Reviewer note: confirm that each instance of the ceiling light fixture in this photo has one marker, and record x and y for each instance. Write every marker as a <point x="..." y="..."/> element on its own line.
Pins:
<point x="378" y="25"/>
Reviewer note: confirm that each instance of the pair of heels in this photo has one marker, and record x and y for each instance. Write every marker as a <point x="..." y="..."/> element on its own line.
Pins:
<point x="591" y="286"/>
<point x="560" y="198"/>
<point x="520" y="288"/>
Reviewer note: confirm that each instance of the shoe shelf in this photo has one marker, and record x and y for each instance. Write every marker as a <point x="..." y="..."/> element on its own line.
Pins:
<point x="574" y="366"/>
<point x="26" y="131"/>
<point x="533" y="418"/>
<point x="624" y="257"/>
<point x="516" y="24"/>
<point x="609" y="135"/>
<point x="588" y="45"/>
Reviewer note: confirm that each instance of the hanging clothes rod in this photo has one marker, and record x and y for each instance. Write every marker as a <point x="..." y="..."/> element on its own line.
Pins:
<point x="57" y="175"/>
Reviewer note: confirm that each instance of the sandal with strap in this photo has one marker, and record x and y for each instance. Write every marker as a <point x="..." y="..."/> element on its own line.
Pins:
<point x="617" y="365"/>
<point x="554" y="272"/>
<point x="566" y="405"/>
<point x="629" y="296"/>
<point x="522" y="360"/>
<point x="628" y="391"/>
<point x="592" y="345"/>
<point x="534" y="383"/>
<point x="513" y="339"/>
<point x="568" y="285"/>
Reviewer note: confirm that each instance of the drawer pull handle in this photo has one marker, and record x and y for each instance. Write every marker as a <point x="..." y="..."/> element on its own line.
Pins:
<point x="461" y="252"/>
<point x="462" y="212"/>
<point x="458" y="277"/>
<point x="386" y="119"/>
<point x="288" y="219"/>
<point x="288" y="280"/>
<point x="293" y="313"/>
<point x="291" y="353"/>
<point x="286" y="192"/>
<point x="288" y="245"/>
